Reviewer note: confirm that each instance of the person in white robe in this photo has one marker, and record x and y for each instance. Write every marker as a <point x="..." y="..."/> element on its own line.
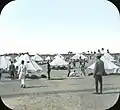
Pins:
<point x="73" y="74"/>
<point x="22" y="71"/>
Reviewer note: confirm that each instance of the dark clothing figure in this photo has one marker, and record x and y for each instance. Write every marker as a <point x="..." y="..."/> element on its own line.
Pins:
<point x="49" y="70"/>
<point x="74" y="63"/>
<point x="90" y="57"/>
<point x="98" y="78"/>
<point x="0" y="73"/>
<point x="69" y="70"/>
<point x="12" y="70"/>
<point x="16" y="71"/>
<point x="98" y="73"/>
<point x="80" y="63"/>
<point x="83" y="68"/>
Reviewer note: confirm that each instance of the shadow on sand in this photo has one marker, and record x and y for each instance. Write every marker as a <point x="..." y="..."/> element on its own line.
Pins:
<point x="35" y="86"/>
<point x="76" y="78"/>
<point x="58" y="78"/>
<point x="116" y="92"/>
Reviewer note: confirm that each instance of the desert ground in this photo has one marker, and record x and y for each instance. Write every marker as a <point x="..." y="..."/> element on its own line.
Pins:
<point x="60" y="93"/>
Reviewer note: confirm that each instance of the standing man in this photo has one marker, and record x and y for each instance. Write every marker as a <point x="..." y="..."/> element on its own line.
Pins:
<point x="98" y="72"/>
<point x="80" y="62"/>
<point x="74" y="63"/>
<point x="0" y="73"/>
<point x="12" y="70"/>
<point x="69" y="69"/>
<point x="83" y="68"/>
<point x="22" y="71"/>
<point x="49" y="69"/>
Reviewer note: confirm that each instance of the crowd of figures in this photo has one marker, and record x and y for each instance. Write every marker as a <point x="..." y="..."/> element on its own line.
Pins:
<point x="17" y="72"/>
<point x="82" y="66"/>
<point x="14" y="71"/>
<point x="21" y="71"/>
<point x="99" y="71"/>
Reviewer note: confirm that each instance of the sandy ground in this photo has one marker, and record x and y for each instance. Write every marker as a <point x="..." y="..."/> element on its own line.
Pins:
<point x="61" y="93"/>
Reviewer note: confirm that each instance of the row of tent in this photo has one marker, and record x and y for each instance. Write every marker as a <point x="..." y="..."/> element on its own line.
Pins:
<point x="37" y="58"/>
<point x="32" y="65"/>
<point x="109" y="64"/>
<point x="58" y="61"/>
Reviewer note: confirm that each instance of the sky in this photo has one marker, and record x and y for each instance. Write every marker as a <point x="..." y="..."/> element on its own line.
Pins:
<point x="59" y="26"/>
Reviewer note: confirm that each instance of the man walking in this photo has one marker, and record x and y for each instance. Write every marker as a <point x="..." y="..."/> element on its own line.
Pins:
<point x="69" y="69"/>
<point x="49" y="69"/>
<point x="98" y="72"/>
<point x="12" y="70"/>
<point x="83" y="68"/>
<point x="22" y="71"/>
<point x="80" y="62"/>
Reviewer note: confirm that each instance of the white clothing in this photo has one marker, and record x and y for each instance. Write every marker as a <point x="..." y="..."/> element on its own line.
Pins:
<point x="22" y="71"/>
<point x="72" y="74"/>
<point x="22" y="81"/>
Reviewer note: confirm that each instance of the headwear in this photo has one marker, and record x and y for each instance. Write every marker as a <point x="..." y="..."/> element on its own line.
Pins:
<point x="98" y="55"/>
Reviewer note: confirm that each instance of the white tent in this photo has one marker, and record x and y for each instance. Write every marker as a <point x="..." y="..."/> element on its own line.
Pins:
<point x="59" y="62"/>
<point x="17" y="58"/>
<point x="4" y="62"/>
<point x="58" y="55"/>
<point x="32" y="66"/>
<point x="109" y="57"/>
<point x="83" y="57"/>
<point x="47" y="58"/>
<point x="78" y="55"/>
<point x="8" y="57"/>
<point x="21" y="56"/>
<point x="37" y="58"/>
<point x="109" y="66"/>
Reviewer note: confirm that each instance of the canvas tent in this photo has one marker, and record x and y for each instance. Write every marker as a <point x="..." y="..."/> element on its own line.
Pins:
<point x="109" y="57"/>
<point x="109" y="66"/>
<point x="59" y="62"/>
<point x="77" y="56"/>
<point x="17" y="58"/>
<point x="58" y="55"/>
<point x="32" y="66"/>
<point x="47" y="58"/>
<point x="8" y="57"/>
<point x="37" y="58"/>
<point x="4" y="62"/>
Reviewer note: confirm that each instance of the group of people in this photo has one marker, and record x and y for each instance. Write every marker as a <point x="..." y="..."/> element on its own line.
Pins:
<point x="99" y="71"/>
<point x="12" y="71"/>
<point x="82" y="64"/>
<point x="20" y="71"/>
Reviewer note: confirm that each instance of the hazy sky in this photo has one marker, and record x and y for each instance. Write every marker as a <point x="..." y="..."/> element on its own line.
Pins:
<point x="50" y="26"/>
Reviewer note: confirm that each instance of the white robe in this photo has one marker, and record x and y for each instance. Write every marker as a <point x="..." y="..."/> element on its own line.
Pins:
<point x="72" y="74"/>
<point x="22" y="71"/>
